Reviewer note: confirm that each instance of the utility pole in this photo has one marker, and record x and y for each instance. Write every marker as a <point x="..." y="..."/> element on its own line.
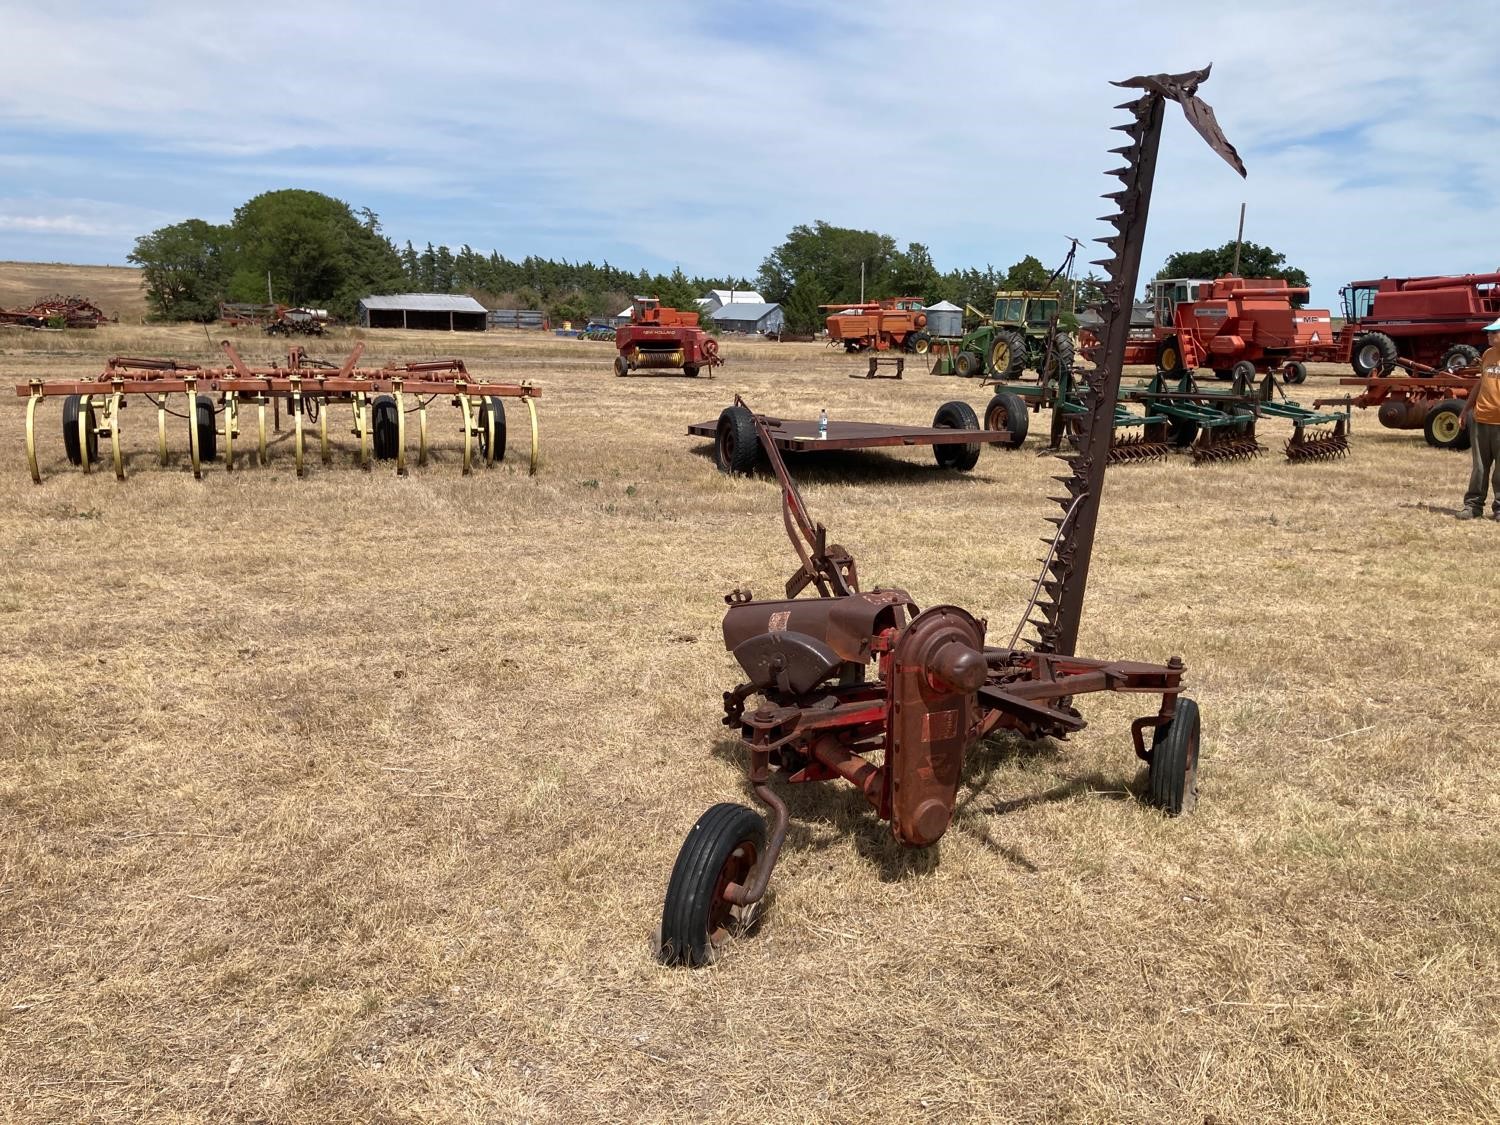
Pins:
<point x="861" y="283"/>
<point x="1238" y="239"/>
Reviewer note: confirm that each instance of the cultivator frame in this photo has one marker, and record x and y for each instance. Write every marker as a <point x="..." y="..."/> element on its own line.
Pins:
<point x="939" y="687"/>
<point x="308" y="387"/>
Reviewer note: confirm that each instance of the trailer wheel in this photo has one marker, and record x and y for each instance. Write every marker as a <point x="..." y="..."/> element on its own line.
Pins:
<point x="722" y="848"/>
<point x="1295" y="372"/>
<point x="73" y="405"/>
<point x="736" y="444"/>
<point x="1008" y="355"/>
<point x="1443" y="427"/>
<point x="1371" y="353"/>
<point x="968" y="364"/>
<point x="956" y="415"/>
<point x="208" y="436"/>
<point x="622" y="365"/>
<point x="1243" y="370"/>
<point x="384" y="427"/>
<point x="919" y="342"/>
<point x="492" y="407"/>
<point x="1459" y="355"/>
<point x="1169" y="356"/>
<point x="1008" y="411"/>
<point x="1173" y="772"/>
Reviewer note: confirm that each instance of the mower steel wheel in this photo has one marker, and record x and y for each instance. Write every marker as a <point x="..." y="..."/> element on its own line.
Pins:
<point x="736" y="444"/>
<point x="73" y="405"/>
<point x="1173" y="772"/>
<point x="384" y="426"/>
<point x="696" y="919"/>
<point x="1443" y="427"/>
<point x="956" y="415"/>
<point x="1008" y="411"/>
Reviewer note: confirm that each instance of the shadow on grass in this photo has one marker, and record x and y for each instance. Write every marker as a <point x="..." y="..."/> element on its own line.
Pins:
<point x="855" y="466"/>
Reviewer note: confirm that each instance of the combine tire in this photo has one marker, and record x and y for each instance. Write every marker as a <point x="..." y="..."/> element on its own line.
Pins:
<point x="1008" y="411"/>
<point x="722" y="848"/>
<point x="1173" y="772"/>
<point x="1459" y="355"/>
<point x="1243" y="371"/>
<point x="956" y="415"/>
<point x="968" y="365"/>
<point x="72" y="406"/>
<point x="208" y="437"/>
<point x="919" y="342"/>
<point x="1295" y="372"/>
<point x="1442" y="427"/>
<point x="1169" y="356"/>
<point x="1372" y="353"/>
<point x="622" y="365"/>
<point x="736" y="444"/>
<point x="491" y="407"/>
<point x="1007" y="355"/>
<point x="385" y="427"/>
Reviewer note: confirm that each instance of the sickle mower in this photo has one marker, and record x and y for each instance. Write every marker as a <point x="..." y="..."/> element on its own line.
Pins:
<point x="939" y="688"/>
<point x="381" y="398"/>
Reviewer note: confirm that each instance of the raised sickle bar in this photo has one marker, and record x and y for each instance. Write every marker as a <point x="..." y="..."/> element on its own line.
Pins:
<point x="901" y="737"/>
<point x="379" y="397"/>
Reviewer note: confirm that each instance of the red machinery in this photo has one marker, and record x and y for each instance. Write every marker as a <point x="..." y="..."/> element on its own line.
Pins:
<point x="1437" y="321"/>
<point x="895" y="322"/>
<point x="1433" y="402"/>
<point x="660" y="338"/>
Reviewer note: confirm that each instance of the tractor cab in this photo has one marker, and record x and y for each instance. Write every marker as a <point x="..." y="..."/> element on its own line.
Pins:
<point x="1025" y="309"/>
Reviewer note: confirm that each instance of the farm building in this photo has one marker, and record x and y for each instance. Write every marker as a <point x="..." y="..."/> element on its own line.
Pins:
<point x="745" y="317"/>
<point x="519" y="318"/>
<point x="718" y="298"/>
<point x="437" y="311"/>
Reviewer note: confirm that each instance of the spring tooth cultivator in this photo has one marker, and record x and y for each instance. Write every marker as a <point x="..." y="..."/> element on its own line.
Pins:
<point x="381" y="399"/>
<point x="900" y="738"/>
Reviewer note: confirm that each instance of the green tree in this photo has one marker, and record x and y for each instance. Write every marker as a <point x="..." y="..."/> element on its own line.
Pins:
<point x="831" y="257"/>
<point x="1255" y="261"/>
<point x="1028" y="273"/>
<point x="801" y="307"/>
<point x="912" y="274"/>
<point x="184" y="270"/>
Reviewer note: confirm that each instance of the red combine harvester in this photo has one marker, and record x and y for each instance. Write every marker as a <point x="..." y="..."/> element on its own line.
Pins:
<point x="1437" y="321"/>
<point x="897" y="323"/>
<point x="662" y="338"/>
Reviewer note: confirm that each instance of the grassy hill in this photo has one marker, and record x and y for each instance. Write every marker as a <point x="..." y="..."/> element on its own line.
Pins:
<point x="115" y="289"/>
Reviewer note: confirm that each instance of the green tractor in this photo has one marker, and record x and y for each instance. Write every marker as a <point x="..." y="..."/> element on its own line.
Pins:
<point x="1026" y="331"/>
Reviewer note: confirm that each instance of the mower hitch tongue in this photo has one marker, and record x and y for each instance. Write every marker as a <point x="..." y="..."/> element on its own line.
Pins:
<point x="808" y="709"/>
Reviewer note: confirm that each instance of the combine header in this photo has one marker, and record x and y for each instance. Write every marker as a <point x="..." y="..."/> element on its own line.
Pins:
<point x="381" y="398"/>
<point x="659" y="339"/>
<point x="938" y="688"/>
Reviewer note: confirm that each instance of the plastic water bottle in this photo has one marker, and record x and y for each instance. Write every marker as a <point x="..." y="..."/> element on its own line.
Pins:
<point x="823" y="425"/>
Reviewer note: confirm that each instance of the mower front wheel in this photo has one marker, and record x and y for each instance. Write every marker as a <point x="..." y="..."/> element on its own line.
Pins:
<point x="956" y="415"/>
<point x="736" y="444"/>
<point x="1173" y="772"/>
<point x="696" y="919"/>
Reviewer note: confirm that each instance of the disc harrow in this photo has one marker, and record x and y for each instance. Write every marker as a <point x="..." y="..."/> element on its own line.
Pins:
<point x="381" y="400"/>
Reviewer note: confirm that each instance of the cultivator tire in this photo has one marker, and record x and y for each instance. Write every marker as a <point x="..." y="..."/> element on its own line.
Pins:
<point x="956" y="415"/>
<point x="386" y="424"/>
<point x="1443" y="427"/>
<point x="968" y="365"/>
<point x="1295" y="372"/>
<point x="208" y="434"/>
<point x="696" y="920"/>
<point x="1008" y="411"/>
<point x="736" y="442"/>
<point x="492" y="430"/>
<point x="1459" y="356"/>
<point x="1007" y="355"/>
<point x="1371" y="353"/>
<point x="1172" y="775"/>
<point x="78" y="413"/>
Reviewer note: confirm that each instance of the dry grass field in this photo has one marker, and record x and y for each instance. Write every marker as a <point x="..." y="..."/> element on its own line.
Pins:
<point x="354" y="798"/>
<point x="115" y="289"/>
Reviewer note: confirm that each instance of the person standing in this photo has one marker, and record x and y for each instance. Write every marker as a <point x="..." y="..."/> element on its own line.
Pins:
<point x="1482" y="415"/>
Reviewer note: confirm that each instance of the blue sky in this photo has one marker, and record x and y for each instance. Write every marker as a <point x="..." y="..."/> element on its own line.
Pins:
<point x="698" y="134"/>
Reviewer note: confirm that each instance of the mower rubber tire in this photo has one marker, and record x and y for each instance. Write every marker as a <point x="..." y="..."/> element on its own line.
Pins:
<point x="956" y="415"/>
<point x="736" y="444"/>
<point x="1442" y="427"/>
<point x="722" y="848"/>
<point x="1173" y="772"/>
<point x="1008" y="411"/>
<point x="72" y="405"/>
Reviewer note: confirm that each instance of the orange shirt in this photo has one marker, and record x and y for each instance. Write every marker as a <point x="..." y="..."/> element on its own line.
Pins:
<point x="1487" y="394"/>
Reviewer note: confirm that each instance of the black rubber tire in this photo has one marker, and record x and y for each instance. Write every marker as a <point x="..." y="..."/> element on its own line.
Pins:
<point x="622" y="365"/>
<point x="1015" y="360"/>
<point x="968" y="365"/>
<point x="1008" y="411"/>
<point x="208" y="435"/>
<point x="71" y="406"/>
<point x="919" y="343"/>
<point x="736" y="444"/>
<point x="1370" y="353"/>
<point x="1440" y="428"/>
<point x="1295" y="372"/>
<point x="1172" y="777"/>
<point x="690" y="370"/>
<point x="384" y="427"/>
<point x="1243" y="369"/>
<point x="1062" y="356"/>
<point x="956" y="415"/>
<point x="492" y="405"/>
<point x="1181" y="432"/>
<point x="1459" y="355"/>
<point x="724" y="845"/>
<point x="1169" y="356"/>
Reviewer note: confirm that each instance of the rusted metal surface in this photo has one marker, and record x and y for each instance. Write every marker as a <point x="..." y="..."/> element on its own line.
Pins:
<point x="801" y="435"/>
<point x="660" y="338"/>
<point x="876" y="363"/>
<point x="56" y="312"/>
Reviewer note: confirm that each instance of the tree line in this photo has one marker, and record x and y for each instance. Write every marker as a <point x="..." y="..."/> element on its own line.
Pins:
<point x="301" y="247"/>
